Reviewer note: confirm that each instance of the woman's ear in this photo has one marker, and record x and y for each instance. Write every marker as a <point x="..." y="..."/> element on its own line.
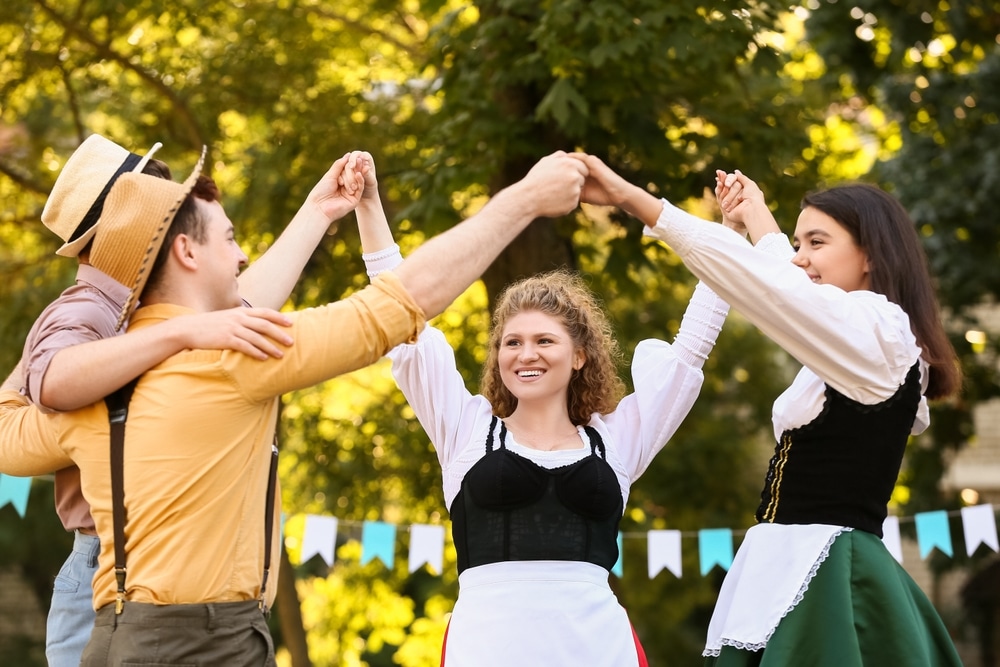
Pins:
<point x="579" y="359"/>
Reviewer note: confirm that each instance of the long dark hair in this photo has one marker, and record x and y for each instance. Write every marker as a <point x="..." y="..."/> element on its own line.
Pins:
<point x="897" y="269"/>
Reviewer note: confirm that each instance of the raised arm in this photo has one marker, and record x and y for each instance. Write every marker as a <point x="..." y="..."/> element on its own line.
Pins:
<point x="740" y="199"/>
<point x="604" y="187"/>
<point x="85" y="373"/>
<point x="79" y="375"/>
<point x="380" y="250"/>
<point x="269" y="280"/>
<point x="443" y="267"/>
<point x="743" y="206"/>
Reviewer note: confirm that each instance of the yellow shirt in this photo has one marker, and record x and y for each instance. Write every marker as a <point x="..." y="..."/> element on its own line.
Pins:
<point x="197" y="448"/>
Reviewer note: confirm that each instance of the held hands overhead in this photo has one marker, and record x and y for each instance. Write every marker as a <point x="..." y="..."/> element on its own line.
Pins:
<point x="556" y="185"/>
<point x="553" y="185"/>
<point x="743" y="206"/>
<point x="340" y="189"/>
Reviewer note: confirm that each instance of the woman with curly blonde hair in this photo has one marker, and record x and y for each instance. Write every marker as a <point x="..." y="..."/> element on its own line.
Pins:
<point x="596" y="386"/>
<point x="538" y="467"/>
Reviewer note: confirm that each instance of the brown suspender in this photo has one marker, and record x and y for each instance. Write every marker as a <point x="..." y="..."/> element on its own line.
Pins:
<point x="117" y="403"/>
<point x="272" y="478"/>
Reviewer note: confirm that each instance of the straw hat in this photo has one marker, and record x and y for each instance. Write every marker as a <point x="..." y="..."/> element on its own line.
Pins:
<point x="137" y="214"/>
<point x="73" y="209"/>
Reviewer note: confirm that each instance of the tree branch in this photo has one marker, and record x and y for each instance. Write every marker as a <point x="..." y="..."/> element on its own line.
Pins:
<point x="25" y="181"/>
<point x="194" y="135"/>
<point x="367" y="30"/>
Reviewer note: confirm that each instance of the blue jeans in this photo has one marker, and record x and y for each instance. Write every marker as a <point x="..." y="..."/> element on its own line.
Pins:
<point x="71" y="615"/>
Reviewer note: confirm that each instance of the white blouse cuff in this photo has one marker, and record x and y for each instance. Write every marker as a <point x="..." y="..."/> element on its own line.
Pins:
<point x="386" y="259"/>
<point x="701" y="325"/>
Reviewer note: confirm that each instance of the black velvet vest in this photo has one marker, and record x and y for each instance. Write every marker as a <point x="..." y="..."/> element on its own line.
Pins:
<point x="841" y="467"/>
<point x="510" y="508"/>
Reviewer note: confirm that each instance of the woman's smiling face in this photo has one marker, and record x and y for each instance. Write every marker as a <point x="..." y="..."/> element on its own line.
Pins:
<point x="828" y="253"/>
<point x="537" y="357"/>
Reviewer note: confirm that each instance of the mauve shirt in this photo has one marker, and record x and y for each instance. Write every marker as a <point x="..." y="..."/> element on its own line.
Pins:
<point x="84" y="312"/>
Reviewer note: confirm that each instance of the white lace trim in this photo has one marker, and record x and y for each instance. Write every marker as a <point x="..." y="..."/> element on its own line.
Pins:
<point x="745" y="646"/>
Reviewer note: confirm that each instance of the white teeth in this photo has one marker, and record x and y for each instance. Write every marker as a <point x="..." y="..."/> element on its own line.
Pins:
<point x="528" y="374"/>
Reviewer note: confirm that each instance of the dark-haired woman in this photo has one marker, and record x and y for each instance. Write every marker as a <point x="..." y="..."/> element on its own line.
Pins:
<point x="851" y="299"/>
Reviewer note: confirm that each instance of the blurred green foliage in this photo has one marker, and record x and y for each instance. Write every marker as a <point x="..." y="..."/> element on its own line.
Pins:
<point x="456" y="100"/>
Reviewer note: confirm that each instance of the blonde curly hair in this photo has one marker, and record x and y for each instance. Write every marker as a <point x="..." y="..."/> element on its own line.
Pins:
<point x="561" y="294"/>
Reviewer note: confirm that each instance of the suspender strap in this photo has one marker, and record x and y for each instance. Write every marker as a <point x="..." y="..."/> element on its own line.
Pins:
<point x="489" y="436"/>
<point x="272" y="479"/>
<point x="117" y="403"/>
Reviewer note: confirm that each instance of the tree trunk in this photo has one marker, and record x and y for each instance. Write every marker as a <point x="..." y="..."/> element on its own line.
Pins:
<point x="540" y="247"/>
<point x="290" y="614"/>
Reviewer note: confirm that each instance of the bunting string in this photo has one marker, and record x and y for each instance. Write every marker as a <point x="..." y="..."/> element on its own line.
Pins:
<point x="664" y="547"/>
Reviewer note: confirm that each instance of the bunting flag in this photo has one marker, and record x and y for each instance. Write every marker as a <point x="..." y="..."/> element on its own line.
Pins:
<point x="664" y="551"/>
<point x="715" y="545"/>
<point x="891" y="539"/>
<point x="15" y="490"/>
<point x="427" y="542"/>
<point x="319" y="537"/>
<point x="932" y="531"/>
<point x="426" y="546"/>
<point x="980" y="527"/>
<point x="378" y="540"/>
<point x="617" y="569"/>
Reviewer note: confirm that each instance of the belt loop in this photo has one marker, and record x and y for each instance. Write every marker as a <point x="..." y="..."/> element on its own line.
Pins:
<point x="95" y="552"/>
<point x="211" y="617"/>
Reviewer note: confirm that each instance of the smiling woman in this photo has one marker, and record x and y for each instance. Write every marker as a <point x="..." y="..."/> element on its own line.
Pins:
<point x="828" y="253"/>
<point x="812" y="582"/>
<point x="537" y="469"/>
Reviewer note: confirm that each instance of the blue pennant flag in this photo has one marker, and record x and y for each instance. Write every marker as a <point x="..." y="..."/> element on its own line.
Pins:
<point x="378" y="540"/>
<point x="617" y="569"/>
<point x="932" y="531"/>
<point x="15" y="490"/>
<point x="715" y="547"/>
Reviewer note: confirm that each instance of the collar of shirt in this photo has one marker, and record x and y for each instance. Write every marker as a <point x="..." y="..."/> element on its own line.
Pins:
<point x="102" y="282"/>
<point x="156" y="313"/>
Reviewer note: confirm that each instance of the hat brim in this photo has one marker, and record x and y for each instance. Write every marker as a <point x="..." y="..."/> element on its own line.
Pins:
<point x="76" y="246"/>
<point x="156" y="241"/>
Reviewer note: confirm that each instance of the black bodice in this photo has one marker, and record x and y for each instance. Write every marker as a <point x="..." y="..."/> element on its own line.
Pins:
<point x="840" y="468"/>
<point x="510" y="508"/>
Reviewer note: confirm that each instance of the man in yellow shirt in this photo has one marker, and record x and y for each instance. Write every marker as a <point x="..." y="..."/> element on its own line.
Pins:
<point x="199" y="429"/>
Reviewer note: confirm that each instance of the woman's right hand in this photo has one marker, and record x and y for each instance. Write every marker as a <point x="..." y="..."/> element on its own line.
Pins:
<point x="726" y="188"/>
<point x="743" y="206"/>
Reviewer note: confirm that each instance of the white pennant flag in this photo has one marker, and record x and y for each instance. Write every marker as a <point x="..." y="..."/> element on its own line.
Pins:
<point x="319" y="537"/>
<point x="664" y="551"/>
<point x="426" y="546"/>
<point x="890" y="537"/>
<point x="980" y="527"/>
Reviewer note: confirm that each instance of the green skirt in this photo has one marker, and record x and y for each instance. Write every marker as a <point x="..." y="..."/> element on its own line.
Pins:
<point x="860" y="610"/>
